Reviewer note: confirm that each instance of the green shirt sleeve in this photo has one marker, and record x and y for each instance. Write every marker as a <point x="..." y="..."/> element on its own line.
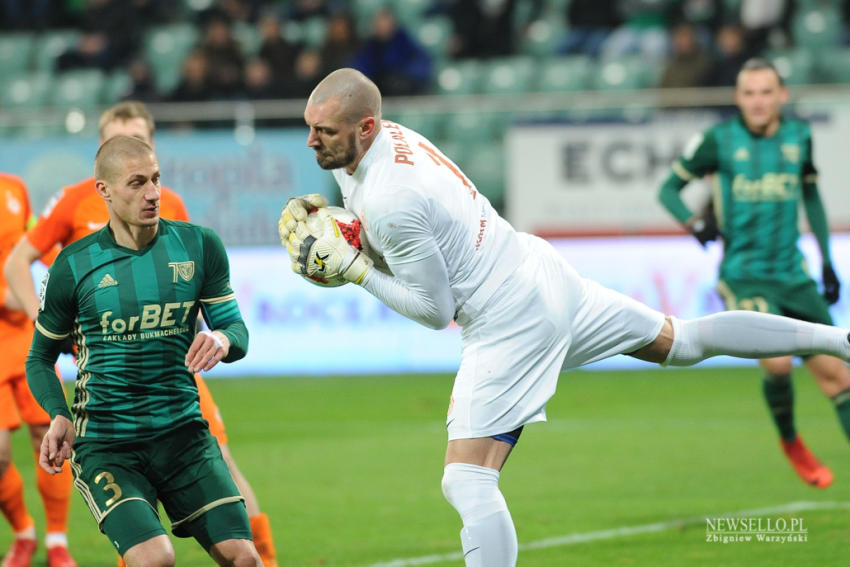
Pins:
<point x="55" y="319"/>
<point x="218" y="302"/>
<point x="812" y="204"/>
<point x="698" y="159"/>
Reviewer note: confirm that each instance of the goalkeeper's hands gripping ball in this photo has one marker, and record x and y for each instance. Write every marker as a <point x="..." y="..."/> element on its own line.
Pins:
<point x="329" y="255"/>
<point x="295" y="211"/>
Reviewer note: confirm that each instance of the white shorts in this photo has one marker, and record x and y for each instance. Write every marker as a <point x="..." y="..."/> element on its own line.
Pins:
<point x="542" y="319"/>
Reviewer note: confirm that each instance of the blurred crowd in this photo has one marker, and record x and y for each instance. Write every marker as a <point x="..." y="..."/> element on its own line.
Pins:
<point x="697" y="42"/>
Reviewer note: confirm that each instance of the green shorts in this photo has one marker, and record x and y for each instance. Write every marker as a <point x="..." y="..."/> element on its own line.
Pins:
<point x="800" y="300"/>
<point x="121" y="483"/>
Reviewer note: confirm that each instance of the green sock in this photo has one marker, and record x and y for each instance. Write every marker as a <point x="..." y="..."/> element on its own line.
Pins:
<point x="779" y="395"/>
<point x="842" y="407"/>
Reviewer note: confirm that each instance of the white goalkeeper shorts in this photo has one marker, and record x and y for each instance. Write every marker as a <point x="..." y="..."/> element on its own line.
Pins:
<point x="544" y="318"/>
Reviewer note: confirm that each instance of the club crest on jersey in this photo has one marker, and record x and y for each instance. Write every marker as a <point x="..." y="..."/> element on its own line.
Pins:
<point x="184" y="270"/>
<point x="791" y="152"/>
<point x="13" y="204"/>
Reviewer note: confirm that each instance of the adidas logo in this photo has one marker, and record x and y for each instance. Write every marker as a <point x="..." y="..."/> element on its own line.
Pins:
<point x="107" y="281"/>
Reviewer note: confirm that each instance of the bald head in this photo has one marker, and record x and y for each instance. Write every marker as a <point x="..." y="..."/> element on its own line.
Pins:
<point x="358" y="96"/>
<point x="110" y="158"/>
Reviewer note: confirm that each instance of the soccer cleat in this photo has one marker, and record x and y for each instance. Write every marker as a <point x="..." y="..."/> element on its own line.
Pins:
<point x="20" y="554"/>
<point x="58" y="556"/>
<point x="809" y="469"/>
<point x="121" y="562"/>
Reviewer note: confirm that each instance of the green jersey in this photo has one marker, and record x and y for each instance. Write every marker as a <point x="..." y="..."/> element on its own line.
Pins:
<point x="759" y="183"/>
<point x="131" y="314"/>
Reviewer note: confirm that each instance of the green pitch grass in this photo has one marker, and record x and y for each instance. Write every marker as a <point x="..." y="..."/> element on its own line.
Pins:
<point x="349" y="469"/>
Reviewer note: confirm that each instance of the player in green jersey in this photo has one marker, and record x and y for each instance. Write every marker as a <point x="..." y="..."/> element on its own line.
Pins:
<point x="762" y="170"/>
<point x="129" y="295"/>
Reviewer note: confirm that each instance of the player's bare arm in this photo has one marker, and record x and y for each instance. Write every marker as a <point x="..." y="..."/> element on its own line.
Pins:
<point x="19" y="277"/>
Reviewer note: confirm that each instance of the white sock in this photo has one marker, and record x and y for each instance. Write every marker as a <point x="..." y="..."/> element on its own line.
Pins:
<point x="749" y="334"/>
<point x="53" y="539"/>
<point x="26" y="533"/>
<point x="488" y="536"/>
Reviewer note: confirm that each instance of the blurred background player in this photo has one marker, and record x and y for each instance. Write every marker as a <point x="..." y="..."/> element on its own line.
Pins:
<point x="78" y="211"/>
<point x="764" y="169"/>
<point x="18" y="405"/>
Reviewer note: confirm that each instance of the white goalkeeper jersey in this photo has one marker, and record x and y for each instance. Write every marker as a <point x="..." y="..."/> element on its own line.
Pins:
<point x="446" y="245"/>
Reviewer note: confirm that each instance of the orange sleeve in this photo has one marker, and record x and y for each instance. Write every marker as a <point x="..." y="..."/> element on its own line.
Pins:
<point x="172" y="206"/>
<point x="55" y="224"/>
<point x="15" y="212"/>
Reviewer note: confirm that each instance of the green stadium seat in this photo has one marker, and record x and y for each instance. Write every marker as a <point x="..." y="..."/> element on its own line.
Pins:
<point x="78" y="89"/>
<point x="454" y="150"/>
<point x="363" y="10"/>
<point x="474" y="128"/>
<point x="817" y="27"/>
<point x="429" y="124"/>
<point x="462" y="77"/>
<point x="434" y="34"/>
<point x="564" y="74"/>
<point x="15" y="52"/>
<point x="313" y="31"/>
<point x="485" y="167"/>
<point x="509" y="75"/>
<point x="26" y="91"/>
<point x="248" y="37"/>
<point x="542" y="37"/>
<point x="833" y="66"/>
<point x="165" y="47"/>
<point x="49" y="46"/>
<point x="116" y="87"/>
<point x="411" y="12"/>
<point x="627" y="73"/>
<point x="795" y="66"/>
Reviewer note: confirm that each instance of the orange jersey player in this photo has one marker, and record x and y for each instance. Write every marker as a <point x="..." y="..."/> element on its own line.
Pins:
<point x="78" y="211"/>
<point x="17" y="406"/>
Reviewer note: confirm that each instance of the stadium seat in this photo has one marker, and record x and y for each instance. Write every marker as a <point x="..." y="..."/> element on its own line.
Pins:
<point x="78" y="89"/>
<point x="116" y="86"/>
<point x="564" y="74"/>
<point x="50" y="45"/>
<point x="165" y="47"/>
<point x="363" y="10"/>
<point x="627" y="73"/>
<point x="509" y="75"/>
<point x="411" y="12"/>
<point x="313" y="31"/>
<point x="26" y="91"/>
<point x="248" y="37"/>
<point x="429" y="124"/>
<point x="833" y="66"/>
<point x="796" y="66"/>
<point x="474" y="128"/>
<point x="486" y="168"/>
<point x="434" y="34"/>
<point x="462" y="77"/>
<point x="816" y="27"/>
<point x="542" y="37"/>
<point x="15" y="52"/>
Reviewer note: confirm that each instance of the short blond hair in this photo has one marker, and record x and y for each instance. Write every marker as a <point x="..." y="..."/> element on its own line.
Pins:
<point x="112" y="154"/>
<point x="126" y="110"/>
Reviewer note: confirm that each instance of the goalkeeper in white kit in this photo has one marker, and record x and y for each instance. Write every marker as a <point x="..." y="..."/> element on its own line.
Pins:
<point x="525" y="313"/>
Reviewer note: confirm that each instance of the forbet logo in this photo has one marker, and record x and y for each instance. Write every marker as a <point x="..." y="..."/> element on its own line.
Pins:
<point x="755" y="530"/>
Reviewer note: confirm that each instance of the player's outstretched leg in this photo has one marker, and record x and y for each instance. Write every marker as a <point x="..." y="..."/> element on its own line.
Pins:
<point x="808" y="468"/>
<point x="15" y="511"/>
<point x="747" y="334"/>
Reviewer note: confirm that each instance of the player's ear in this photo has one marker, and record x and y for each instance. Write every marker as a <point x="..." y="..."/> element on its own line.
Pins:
<point x="102" y="188"/>
<point x="367" y="126"/>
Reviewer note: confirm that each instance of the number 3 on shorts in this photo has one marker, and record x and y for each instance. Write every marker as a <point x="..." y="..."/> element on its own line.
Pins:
<point x="110" y="485"/>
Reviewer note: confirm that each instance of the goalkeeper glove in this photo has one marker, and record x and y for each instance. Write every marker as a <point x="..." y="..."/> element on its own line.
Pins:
<point x="704" y="229"/>
<point x="295" y="211"/>
<point x="329" y="254"/>
<point x="831" y="285"/>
